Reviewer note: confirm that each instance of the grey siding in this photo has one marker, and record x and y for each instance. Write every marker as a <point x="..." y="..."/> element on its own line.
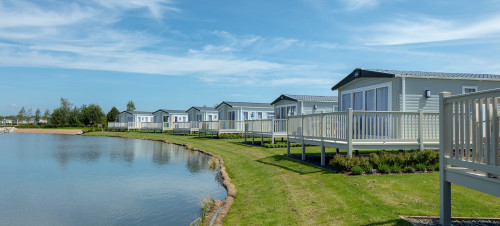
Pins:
<point x="324" y="107"/>
<point x="415" y="89"/>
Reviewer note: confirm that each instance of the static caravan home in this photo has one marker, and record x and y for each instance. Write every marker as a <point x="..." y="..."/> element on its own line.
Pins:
<point x="407" y="91"/>
<point x="164" y="115"/>
<point x="202" y="114"/>
<point x="288" y="105"/>
<point x="239" y="111"/>
<point x="135" y="116"/>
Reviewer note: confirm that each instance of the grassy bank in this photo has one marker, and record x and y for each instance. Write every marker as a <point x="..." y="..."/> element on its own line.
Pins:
<point x="273" y="189"/>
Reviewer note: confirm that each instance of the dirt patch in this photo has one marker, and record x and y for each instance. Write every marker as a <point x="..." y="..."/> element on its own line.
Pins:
<point x="52" y="131"/>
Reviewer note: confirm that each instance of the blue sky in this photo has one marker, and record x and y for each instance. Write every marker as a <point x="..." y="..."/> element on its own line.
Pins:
<point x="176" y="54"/>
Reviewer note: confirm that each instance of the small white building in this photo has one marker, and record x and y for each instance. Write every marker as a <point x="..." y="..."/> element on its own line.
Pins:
<point x="239" y="111"/>
<point x="202" y="114"/>
<point x="288" y="105"/>
<point x="393" y="90"/>
<point x="164" y="115"/>
<point x="135" y="116"/>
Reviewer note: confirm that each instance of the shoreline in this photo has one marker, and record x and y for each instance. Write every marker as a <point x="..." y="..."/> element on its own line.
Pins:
<point x="51" y="131"/>
<point x="221" y="212"/>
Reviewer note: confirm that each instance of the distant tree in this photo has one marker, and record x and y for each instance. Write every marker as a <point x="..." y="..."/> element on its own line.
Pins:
<point x="46" y="115"/>
<point x="130" y="106"/>
<point x="37" y="116"/>
<point x="91" y="114"/>
<point x="112" y="115"/>
<point x="74" y="117"/>
<point x="29" y="114"/>
<point x="64" y="115"/>
<point x="21" y="114"/>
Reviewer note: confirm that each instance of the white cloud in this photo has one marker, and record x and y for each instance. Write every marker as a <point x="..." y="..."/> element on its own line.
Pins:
<point x="353" y="5"/>
<point x="426" y="29"/>
<point x="156" y="7"/>
<point x="14" y="105"/>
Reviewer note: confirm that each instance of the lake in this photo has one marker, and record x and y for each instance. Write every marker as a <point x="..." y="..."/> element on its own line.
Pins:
<point x="48" y="179"/>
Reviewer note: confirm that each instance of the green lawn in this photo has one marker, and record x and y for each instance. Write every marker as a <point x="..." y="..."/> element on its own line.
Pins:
<point x="273" y="189"/>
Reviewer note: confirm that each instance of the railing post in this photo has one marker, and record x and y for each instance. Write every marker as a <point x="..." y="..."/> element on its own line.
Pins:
<point x="261" y="133"/>
<point x="245" y="130"/>
<point x="494" y="158"/>
<point x="445" y="120"/>
<point x="272" y="131"/>
<point x="287" y="139"/>
<point x="349" y="132"/>
<point x="303" y="144"/>
<point x="322" y="140"/>
<point x="420" y="129"/>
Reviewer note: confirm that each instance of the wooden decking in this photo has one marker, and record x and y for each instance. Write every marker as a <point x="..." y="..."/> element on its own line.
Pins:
<point x="273" y="128"/>
<point x="221" y="126"/>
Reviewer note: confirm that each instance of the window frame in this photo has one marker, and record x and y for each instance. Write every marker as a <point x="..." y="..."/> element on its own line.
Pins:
<point x="364" y="89"/>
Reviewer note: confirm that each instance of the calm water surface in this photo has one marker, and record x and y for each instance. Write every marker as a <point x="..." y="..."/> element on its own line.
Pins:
<point x="48" y="179"/>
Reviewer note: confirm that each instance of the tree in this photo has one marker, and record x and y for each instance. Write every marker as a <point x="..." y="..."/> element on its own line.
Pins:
<point x="46" y="115"/>
<point x="21" y="115"/>
<point x="130" y="106"/>
<point x="112" y="115"/>
<point x="29" y="114"/>
<point x="92" y="114"/>
<point x="37" y="115"/>
<point x="63" y="115"/>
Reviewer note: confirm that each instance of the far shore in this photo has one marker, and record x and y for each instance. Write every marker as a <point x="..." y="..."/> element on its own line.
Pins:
<point x="53" y="131"/>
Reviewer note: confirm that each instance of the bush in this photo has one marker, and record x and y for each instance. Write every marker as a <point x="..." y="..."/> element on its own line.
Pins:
<point x="371" y="171"/>
<point x="396" y="169"/>
<point x="421" y="167"/>
<point x="356" y="170"/>
<point x="409" y="169"/>
<point x="433" y="167"/>
<point x="340" y="162"/>
<point x="384" y="168"/>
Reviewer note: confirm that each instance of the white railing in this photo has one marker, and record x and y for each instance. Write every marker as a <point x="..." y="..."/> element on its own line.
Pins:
<point x="134" y="125"/>
<point x="151" y="125"/>
<point x="469" y="145"/>
<point x="266" y="126"/>
<point x="186" y="125"/>
<point x="117" y="125"/>
<point x="167" y="125"/>
<point x="226" y="126"/>
<point x="366" y="126"/>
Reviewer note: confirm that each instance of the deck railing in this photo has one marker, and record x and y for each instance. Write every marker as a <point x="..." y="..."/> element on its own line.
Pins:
<point x="469" y="152"/>
<point x="117" y="125"/>
<point x="266" y="126"/>
<point x="365" y="126"/>
<point x="186" y="125"/>
<point x="151" y="125"/>
<point x="222" y="126"/>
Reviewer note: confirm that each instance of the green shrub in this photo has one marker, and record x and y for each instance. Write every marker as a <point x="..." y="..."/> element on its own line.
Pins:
<point x="371" y="171"/>
<point x="340" y="162"/>
<point x="396" y="169"/>
<point x="384" y="168"/>
<point x="409" y="169"/>
<point x="433" y="167"/>
<point x="356" y="170"/>
<point x="421" y="167"/>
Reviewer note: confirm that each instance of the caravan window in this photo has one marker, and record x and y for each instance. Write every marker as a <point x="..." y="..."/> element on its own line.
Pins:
<point x="346" y="101"/>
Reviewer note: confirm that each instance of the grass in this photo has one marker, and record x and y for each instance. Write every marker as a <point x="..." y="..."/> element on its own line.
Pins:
<point x="275" y="190"/>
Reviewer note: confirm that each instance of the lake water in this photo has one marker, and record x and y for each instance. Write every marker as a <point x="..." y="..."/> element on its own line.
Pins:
<point x="48" y="179"/>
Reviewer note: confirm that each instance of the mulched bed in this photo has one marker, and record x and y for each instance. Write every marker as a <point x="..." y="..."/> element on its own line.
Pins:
<point x="461" y="221"/>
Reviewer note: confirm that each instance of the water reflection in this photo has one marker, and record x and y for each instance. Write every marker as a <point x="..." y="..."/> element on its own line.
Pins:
<point x="101" y="181"/>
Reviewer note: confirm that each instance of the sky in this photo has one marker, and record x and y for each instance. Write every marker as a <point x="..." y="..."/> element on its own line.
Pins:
<point x="174" y="54"/>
